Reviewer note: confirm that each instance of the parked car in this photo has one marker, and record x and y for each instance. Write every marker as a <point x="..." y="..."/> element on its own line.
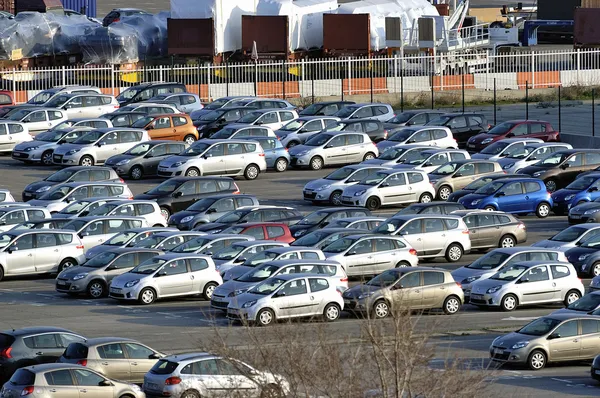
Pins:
<point x="89" y="122"/>
<point x="397" y="155"/>
<point x="219" y="103"/>
<point x="272" y="118"/>
<point x="581" y="191"/>
<point x="276" y="155"/>
<point x="185" y="102"/>
<point x="252" y="214"/>
<point x="430" y="235"/>
<point x="149" y="108"/>
<point x="126" y="239"/>
<point x="124" y="119"/>
<point x="167" y="275"/>
<point x="440" y="137"/>
<point x="570" y="237"/>
<point x="80" y="208"/>
<point x="511" y="195"/>
<point x="585" y="256"/>
<point x="145" y="91"/>
<point x="462" y="125"/>
<point x="276" y="231"/>
<point x="480" y="182"/>
<point x="371" y="127"/>
<point x="41" y="224"/>
<point x="83" y="105"/>
<point x="40" y="150"/>
<point x="412" y="288"/>
<point x="142" y="160"/>
<point x="320" y="238"/>
<point x="147" y="209"/>
<point x="444" y="208"/>
<point x="329" y="188"/>
<point x="69" y="175"/>
<point x="584" y="212"/>
<point x="320" y="218"/>
<point x="12" y="216"/>
<point x="505" y="148"/>
<point x="94" y="231"/>
<point x="237" y="253"/>
<point x="456" y="175"/>
<point x="214" y="121"/>
<point x="381" y="112"/>
<point x="325" y="149"/>
<point x="588" y="304"/>
<point x="363" y="223"/>
<point x="240" y="130"/>
<point x="326" y="108"/>
<point x="166" y="240"/>
<point x="216" y="157"/>
<point x="262" y="103"/>
<point x="178" y="193"/>
<point x="491" y="229"/>
<point x="52" y="252"/>
<point x="210" y="243"/>
<point x="514" y="128"/>
<point x="530" y="154"/>
<point x="13" y="134"/>
<point x="389" y="187"/>
<point x="37" y="119"/>
<point x="297" y="131"/>
<point x="93" y="277"/>
<point x="6" y="196"/>
<point x="177" y="127"/>
<point x="44" y="96"/>
<point x="562" y="167"/>
<point x="415" y="117"/>
<point x="209" y="209"/>
<point x="430" y="159"/>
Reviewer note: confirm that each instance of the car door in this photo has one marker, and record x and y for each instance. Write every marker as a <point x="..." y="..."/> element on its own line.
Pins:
<point x="511" y="198"/>
<point x="214" y="162"/>
<point x="394" y="189"/>
<point x="6" y="140"/>
<point x="360" y="258"/>
<point x="162" y="129"/>
<point x="335" y="151"/>
<point x="112" y="361"/>
<point x="434" y="236"/>
<point x="537" y="130"/>
<point x="61" y="384"/>
<point x="48" y="347"/>
<point x="154" y="157"/>
<point x="488" y="230"/>
<point x="269" y="147"/>
<point x="74" y="108"/>
<point x="174" y="279"/>
<point x="384" y="254"/>
<point x="408" y="292"/>
<point x="107" y="146"/>
<point x="412" y="231"/>
<point x="186" y="195"/>
<point x="535" y="285"/>
<point x="592" y="160"/>
<point x="565" y="342"/>
<point x="141" y="360"/>
<point x="48" y="252"/>
<point x="235" y="159"/>
<point x="434" y="291"/>
<point x="464" y="175"/>
<point x="91" y="384"/>
<point x="590" y="338"/>
<point x="569" y="169"/>
<point x="460" y="129"/>
<point x="235" y="377"/>
<point x="37" y="121"/>
<point x="472" y="222"/>
<point x="531" y="188"/>
<point x="355" y="148"/>
<point x="198" y="267"/>
<point x="293" y="299"/>
<point x="12" y="218"/>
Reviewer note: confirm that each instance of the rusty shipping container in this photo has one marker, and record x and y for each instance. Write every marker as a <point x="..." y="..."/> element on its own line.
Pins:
<point x="7" y="5"/>
<point x="270" y="32"/>
<point x="586" y="32"/>
<point x="191" y="37"/>
<point x="443" y="9"/>
<point x="563" y="9"/>
<point x="590" y="3"/>
<point x="346" y="34"/>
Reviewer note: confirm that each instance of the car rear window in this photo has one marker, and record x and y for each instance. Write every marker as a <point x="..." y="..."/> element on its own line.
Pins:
<point x="6" y="340"/>
<point x="23" y="377"/>
<point x="164" y="367"/>
<point x="76" y="351"/>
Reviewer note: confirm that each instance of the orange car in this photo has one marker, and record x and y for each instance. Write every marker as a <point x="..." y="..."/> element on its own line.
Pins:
<point x="177" y="127"/>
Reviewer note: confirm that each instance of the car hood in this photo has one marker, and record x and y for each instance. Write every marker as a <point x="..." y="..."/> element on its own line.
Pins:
<point x="533" y="168"/>
<point x="508" y="340"/>
<point x="64" y="148"/>
<point x="456" y="195"/>
<point x="195" y="115"/>
<point x="34" y="186"/>
<point x="300" y="227"/>
<point x="148" y="196"/>
<point x="568" y="311"/>
<point x="168" y="162"/>
<point x="463" y="272"/>
<point x="319" y="183"/>
<point x="582" y="208"/>
<point x="574" y="253"/>
<point x="72" y="271"/>
<point x="351" y="190"/>
<point x="232" y="286"/>
<point x="23" y="146"/>
<point x="121" y="280"/>
<point x="42" y="203"/>
<point x="481" y="156"/>
<point x="550" y="244"/>
<point x="481" y="286"/>
<point x="294" y="151"/>
<point x="357" y="290"/>
<point x="212" y="225"/>
<point x="245" y="297"/>
<point x="482" y="136"/>
<point x="471" y="197"/>
<point x="62" y="215"/>
<point x="237" y="271"/>
<point x="387" y="144"/>
<point x="94" y="251"/>
<point x="117" y="158"/>
<point x="181" y="215"/>
<point x="377" y="162"/>
<point x="436" y="177"/>
<point x="560" y="195"/>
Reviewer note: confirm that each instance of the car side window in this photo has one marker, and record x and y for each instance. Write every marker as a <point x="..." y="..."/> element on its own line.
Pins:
<point x="274" y="232"/>
<point x="111" y="351"/>
<point x="2" y="129"/>
<point x="59" y="378"/>
<point x="536" y="274"/>
<point x="138" y="351"/>
<point x="363" y="112"/>
<point x="355" y="139"/>
<point x="412" y="227"/>
<point x="256" y="232"/>
<point x="537" y="128"/>
<point x="318" y="284"/>
<point x="576" y="160"/>
<point x="433" y="225"/>
<point x="14" y="217"/>
<point x="293" y="288"/>
<point x="457" y="156"/>
<point x="458" y="122"/>
<point x="216" y="150"/>
<point x="520" y="129"/>
<point x="531" y="187"/>
<point x="380" y="110"/>
<point x="371" y="126"/>
<point x="396" y="180"/>
<point x="337" y="141"/>
<point x="312" y="126"/>
<point x="286" y="115"/>
<point x="87" y="378"/>
<point x="309" y="256"/>
<point x="438" y="160"/>
<point x="270" y="117"/>
<point x="432" y="278"/>
<point x="175" y="267"/>
<point x="81" y="176"/>
<point x="592" y="158"/>
<point x="36" y="215"/>
<point x="451" y="223"/>
<point x="382" y="245"/>
<point x="45" y="240"/>
<point x="475" y="120"/>
<point x="439" y="134"/>
<point x="559" y="271"/>
<point x="567" y="329"/>
<point x="419" y="119"/>
<point x="514" y="188"/>
<point x="188" y="188"/>
<point x="14" y="128"/>
<point x="589" y="326"/>
<point x="36" y="117"/>
<point x="362" y="247"/>
<point x="414" y="178"/>
<point x="421" y="136"/>
<point x="485" y="168"/>
<point x="411" y="280"/>
<point x="64" y="339"/>
<point x="124" y="261"/>
<point x="431" y="210"/>
<point x="486" y="220"/>
<point x="467" y="169"/>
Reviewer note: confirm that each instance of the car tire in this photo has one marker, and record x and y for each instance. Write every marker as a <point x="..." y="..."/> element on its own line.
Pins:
<point x="507" y="241"/>
<point x="454" y="253"/>
<point x="281" y="165"/>
<point x="265" y="317"/>
<point x="136" y="173"/>
<point x="373" y="203"/>
<point x="251" y="173"/>
<point x="509" y="303"/>
<point x="316" y="163"/>
<point x="368" y="156"/>
<point x="190" y="394"/>
<point x="192" y="172"/>
<point x="425" y="197"/>
<point x="444" y="192"/>
<point x="292" y="144"/>
<point x="86" y="161"/>
<point x="147" y="296"/>
<point x="208" y="291"/>
<point x="594" y="270"/>
<point x="1" y="272"/>
<point x="96" y="289"/>
<point x="381" y="309"/>
<point x="542" y="210"/>
<point x="46" y="158"/>
<point x="537" y="360"/>
<point x="331" y="312"/>
<point x="451" y="305"/>
<point x="189" y="139"/>
<point x="336" y="198"/>
<point x="403" y="264"/>
<point x="551" y="185"/>
<point x="271" y="391"/>
<point x="489" y="208"/>
<point x="66" y="263"/>
<point x="571" y="297"/>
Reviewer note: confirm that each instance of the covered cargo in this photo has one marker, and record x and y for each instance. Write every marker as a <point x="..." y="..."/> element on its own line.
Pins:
<point x="586" y="32"/>
<point x="85" y="7"/>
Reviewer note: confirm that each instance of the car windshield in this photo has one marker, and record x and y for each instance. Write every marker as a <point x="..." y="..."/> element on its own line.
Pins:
<point x="19" y="114"/>
<point x="151" y="241"/>
<point x="250" y="117"/>
<point x="569" y="235"/>
<point x="195" y="150"/>
<point x="392" y="153"/>
<point x="401" y="117"/>
<point x="165" y="188"/>
<point x="495" y="148"/>
<point x="412" y="209"/>
<point x="440" y="121"/>
<point x="509" y="273"/>
<point x="229" y="253"/>
<point x="475" y="185"/>
<point x="587" y="303"/>
<point x="490" y="188"/>
<point x="212" y="116"/>
<point x="5" y="239"/>
<point x="339" y="246"/>
<point x="100" y="260"/>
<point x="490" y="260"/>
<point x="232" y="216"/>
<point x="75" y="225"/>
<point x="224" y="133"/>
<point x="446" y="169"/>
<point x="318" y="140"/>
<point x="128" y="94"/>
<point x="216" y="104"/>
<point x="385" y="279"/>
<point x="415" y="158"/>
<point x="591" y="243"/>
<point x="149" y="266"/>
<point x="260" y="258"/>
<point x="57" y="101"/>
<point x="374" y="179"/>
<point x="89" y="138"/>
<point x="314" y="218"/>
<point x="340" y="174"/>
<point x="312" y="238"/>
<point x="56" y="193"/>
<point x="502" y="128"/>
<point x="202" y="205"/>
<point x="521" y="152"/>
<point x="138" y="150"/>
<point x="42" y="98"/>
<point x="553" y="160"/>
<point x="191" y="246"/>
<point x="388" y="227"/>
<point x="121" y="238"/>
<point x="141" y="123"/>
<point x="293" y="125"/>
<point x="75" y="207"/>
<point x="345" y="112"/>
<point x="582" y="183"/>
<point x="103" y="210"/>
<point x="233" y="230"/>
<point x="402" y="135"/>
<point x="539" y="327"/>
<point x="61" y="175"/>
<point x="50" y="136"/>
<point x="259" y="274"/>
<point x="267" y="287"/>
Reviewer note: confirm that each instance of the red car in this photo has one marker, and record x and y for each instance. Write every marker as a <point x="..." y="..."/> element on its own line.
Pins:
<point x="514" y="129"/>
<point x="276" y="231"/>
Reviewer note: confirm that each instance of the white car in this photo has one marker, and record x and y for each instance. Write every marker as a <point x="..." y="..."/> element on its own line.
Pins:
<point x="530" y="154"/>
<point x="431" y="159"/>
<point x="437" y="136"/>
<point x="91" y="122"/>
<point x="42" y="97"/>
<point x="147" y="209"/>
<point x="96" y="230"/>
<point x="84" y="105"/>
<point x="381" y="112"/>
<point x="392" y="156"/>
<point x="149" y="108"/>
<point x="40" y="150"/>
<point x="389" y="187"/>
<point x="12" y="216"/>
<point x="11" y="134"/>
<point x="505" y="148"/>
<point x="38" y="119"/>
<point x="297" y="131"/>
<point x="272" y="118"/>
<point x="239" y="131"/>
<point x="6" y="196"/>
<point x="570" y="237"/>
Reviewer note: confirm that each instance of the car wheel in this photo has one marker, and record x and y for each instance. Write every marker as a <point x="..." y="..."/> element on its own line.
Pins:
<point x="292" y="144"/>
<point x="331" y="312"/>
<point x="47" y="158"/>
<point x="96" y="289"/>
<point x="66" y="263"/>
<point x="509" y="302"/>
<point x="536" y="360"/>
<point x="336" y="198"/>
<point x="425" y="197"/>
<point x="165" y="212"/>
<point x="595" y="269"/>
<point x="571" y="297"/>
<point x="281" y="165"/>
<point x="489" y="208"/>
<point x="507" y="241"/>
<point x="381" y="309"/>
<point x="444" y="192"/>
<point x="451" y="305"/>
<point x="208" y="291"/>
<point x="454" y="253"/>
<point x="86" y="161"/>
<point x="147" y="296"/>
<point x="265" y="317"/>
<point x="403" y="264"/>
<point x="136" y="173"/>
<point x="316" y="163"/>
<point x="190" y="394"/>
<point x="551" y="185"/>
<point x="192" y="172"/>
<point x="189" y="139"/>
<point x="372" y="203"/>
<point x="543" y="210"/>
<point x="271" y="391"/>
<point x="251" y="172"/>
<point x="369" y="156"/>
<point x="1" y="273"/>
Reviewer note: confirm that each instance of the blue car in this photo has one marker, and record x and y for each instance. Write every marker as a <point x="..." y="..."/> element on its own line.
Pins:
<point x="584" y="189"/>
<point x="511" y="195"/>
<point x="276" y="154"/>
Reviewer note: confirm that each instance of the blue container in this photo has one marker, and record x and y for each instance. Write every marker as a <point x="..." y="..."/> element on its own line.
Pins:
<point x="87" y="7"/>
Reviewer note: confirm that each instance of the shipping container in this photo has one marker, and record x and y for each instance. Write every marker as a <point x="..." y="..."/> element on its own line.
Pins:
<point x="563" y="9"/>
<point x="85" y="7"/>
<point x="7" y="5"/>
<point x="590" y="3"/>
<point x="443" y="9"/>
<point x="191" y="37"/>
<point x="346" y="34"/>
<point x="39" y="6"/>
<point x="586" y="33"/>
<point x="271" y="34"/>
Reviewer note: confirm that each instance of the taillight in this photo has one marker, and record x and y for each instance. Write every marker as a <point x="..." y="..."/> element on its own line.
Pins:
<point x="385" y="134"/>
<point x="287" y="149"/>
<point x="261" y="154"/>
<point x="504" y="171"/>
<point x="549" y="193"/>
<point x="412" y="252"/>
<point x="116" y="106"/>
<point x="82" y="362"/>
<point x="373" y="142"/>
<point x="130" y="198"/>
<point x="80" y="247"/>
<point x="521" y="226"/>
<point x="5" y="353"/>
<point x="172" y="380"/>
<point x="27" y="390"/>
<point x="466" y="232"/>
<point x="459" y="285"/>
<point x="344" y="279"/>
<point x="122" y="180"/>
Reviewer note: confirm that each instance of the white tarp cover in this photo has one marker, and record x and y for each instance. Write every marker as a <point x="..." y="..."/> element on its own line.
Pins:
<point x="407" y="10"/>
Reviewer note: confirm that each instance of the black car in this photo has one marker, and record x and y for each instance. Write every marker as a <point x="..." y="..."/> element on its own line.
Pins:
<point x="209" y="209"/>
<point x="579" y="254"/>
<point x="178" y="193"/>
<point x="462" y="125"/>
<point x="214" y="121"/>
<point x="145" y="91"/>
<point x="444" y="208"/>
<point x="478" y="183"/>
<point x="323" y="237"/>
<point x="216" y="104"/>
<point x="142" y="160"/>
<point x="124" y="119"/>
<point x="320" y="218"/>
<point x="412" y="118"/>
<point x="595" y="370"/>
<point x="327" y="108"/>
<point x="373" y="128"/>
<point x="69" y="174"/>
<point x="32" y="346"/>
<point x="281" y="214"/>
<point x="116" y="14"/>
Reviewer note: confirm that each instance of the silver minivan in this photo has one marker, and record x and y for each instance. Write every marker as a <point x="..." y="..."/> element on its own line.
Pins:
<point x="12" y="216"/>
<point x="96" y="230"/>
<point x="167" y="275"/>
<point x="41" y="149"/>
<point x="127" y="238"/>
<point x="211" y="243"/>
<point x="84" y="105"/>
<point x="38" y="119"/>
<point x="238" y="253"/>
<point x="272" y="118"/>
<point x="297" y="131"/>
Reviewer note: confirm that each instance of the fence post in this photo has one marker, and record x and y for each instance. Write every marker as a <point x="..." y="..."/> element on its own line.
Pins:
<point x="256" y="78"/>
<point x="402" y="88"/>
<point x="14" y="85"/>
<point x="593" y="114"/>
<point x="349" y="77"/>
<point x="463" y="93"/>
<point x="371" y="77"/>
<point x="208" y="82"/>
<point x="487" y="68"/>
<point x="533" y="69"/>
<point x="160" y="73"/>
<point x="64" y="76"/>
<point x="432" y="94"/>
<point x="578" y="65"/>
<point x="495" y="102"/>
<point x="527" y="100"/>
<point x="559" y="109"/>
<point x="395" y="72"/>
<point x="302" y="81"/>
<point x="227" y="78"/>
<point x="199" y="77"/>
<point x="112" y="79"/>
<point x="283" y="76"/>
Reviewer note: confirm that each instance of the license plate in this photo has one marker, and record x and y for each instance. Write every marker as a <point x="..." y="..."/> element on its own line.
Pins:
<point x="234" y="312"/>
<point x="498" y="351"/>
<point x="115" y="290"/>
<point x="151" y="386"/>
<point x="597" y="372"/>
<point x="62" y="283"/>
<point x="476" y="296"/>
<point x="27" y="194"/>
<point x="162" y="168"/>
<point x="346" y="302"/>
<point x="575" y="216"/>
<point x="346" y="198"/>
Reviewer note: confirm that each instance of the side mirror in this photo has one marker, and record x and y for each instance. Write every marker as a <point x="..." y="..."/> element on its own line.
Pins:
<point x="503" y="155"/>
<point x="240" y="260"/>
<point x="593" y="189"/>
<point x="208" y="253"/>
<point x="427" y="164"/>
<point x="457" y="175"/>
<point x="161" y="273"/>
<point x="177" y="194"/>
<point x="154" y="356"/>
<point x="148" y="156"/>
<point x="510" y="135"/>
<point x="328" y="146"/>
<point x="410" y="141"/>
<point x="9" y="250"/>
<point x="523" y="280"/>
<point x="105" y="383"/>
<point x="211" y="210"/>
<point x="100" y="144"/>
<point x="499" y="194"/>
<point x="403" y="233"/>
<point x="81" y="235"/>
<point x="258" y="123"/>
<point x="352" y="253"/>
<point x="554" y="336"/>
<point x="384" y="184"/>
<point x="2" y="222"/>
<point x="565" y="166"/>
<point x="280" y="294"/>
<point x="150" y="127"/>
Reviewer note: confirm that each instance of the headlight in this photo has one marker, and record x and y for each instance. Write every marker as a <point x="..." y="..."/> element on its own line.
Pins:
<point x="299" y="233"/>
<point x="44" y="189"/>
<point x="200" y="127"/>
<point x="520" y="344"/>
<point x="177" y="164"/>
<point x="569" y="197"/>
<point x="538" y="173"/>
<point x="365" y="295"/>
<point x="322" y="187"/>
<point x="593" y="211"/>
<point x="361" y="192"/>
<point x="487" y="141"/>
<point x="132" y="283"/>
<point x="249" y="304"/>
<point x="494" y="289"/>
<point x="508" y="166"/>
<point x="237" y="293"/>
<point x="216" y="231"/>
<point x="583" y="257"/>
<point x="471" y="279"/>
<point x="31" y="148"/>
<point x="302" y="153"/>
<point x="73" y="151"/>
<point x="80" y="276"/>
<point x="123" y="162"/>
<point x="475" y="202"/>
<point x="187" y="219"/>
<point x="136" y="388"/>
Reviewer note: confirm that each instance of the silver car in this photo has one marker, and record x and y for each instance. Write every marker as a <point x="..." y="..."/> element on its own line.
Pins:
<point x="34" y="251"/>
<point x="94" y="276"/>
<point x="364" y="223"/>
<point x="530" y="154"/>
<point x="396" y="154"/>
<point x="331" y="148"/>
<point x="11" y="216"/>
<point x="80" y="208"/>
<point x="209" y="209"/>
<point x="381" y="112"/>
<point x="167" y="275"/>
<point x="504" y="148"/>
<point x="238" y="253"/>
<point x="168" y="240"/>
<point x="98" y="145"/>
<point x="210" y="243"/>
<point x="288" y="296"/>
<point x="96" y="230"/>
<point x="436" y="136"/>
<point x="37" y="119"/>
<point x="41" y="149"/>
<point x="530" y="282"/>
<point x="185" y="102"/>
<point x="89" y="122"/>
<point x="147" y="209"/>
<point x="297" y="131"/>
<point x="127" y="238"/>
<point x="431" y="159"/>
<point x="84" y="105"/>
<point x="570" y="237"/>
